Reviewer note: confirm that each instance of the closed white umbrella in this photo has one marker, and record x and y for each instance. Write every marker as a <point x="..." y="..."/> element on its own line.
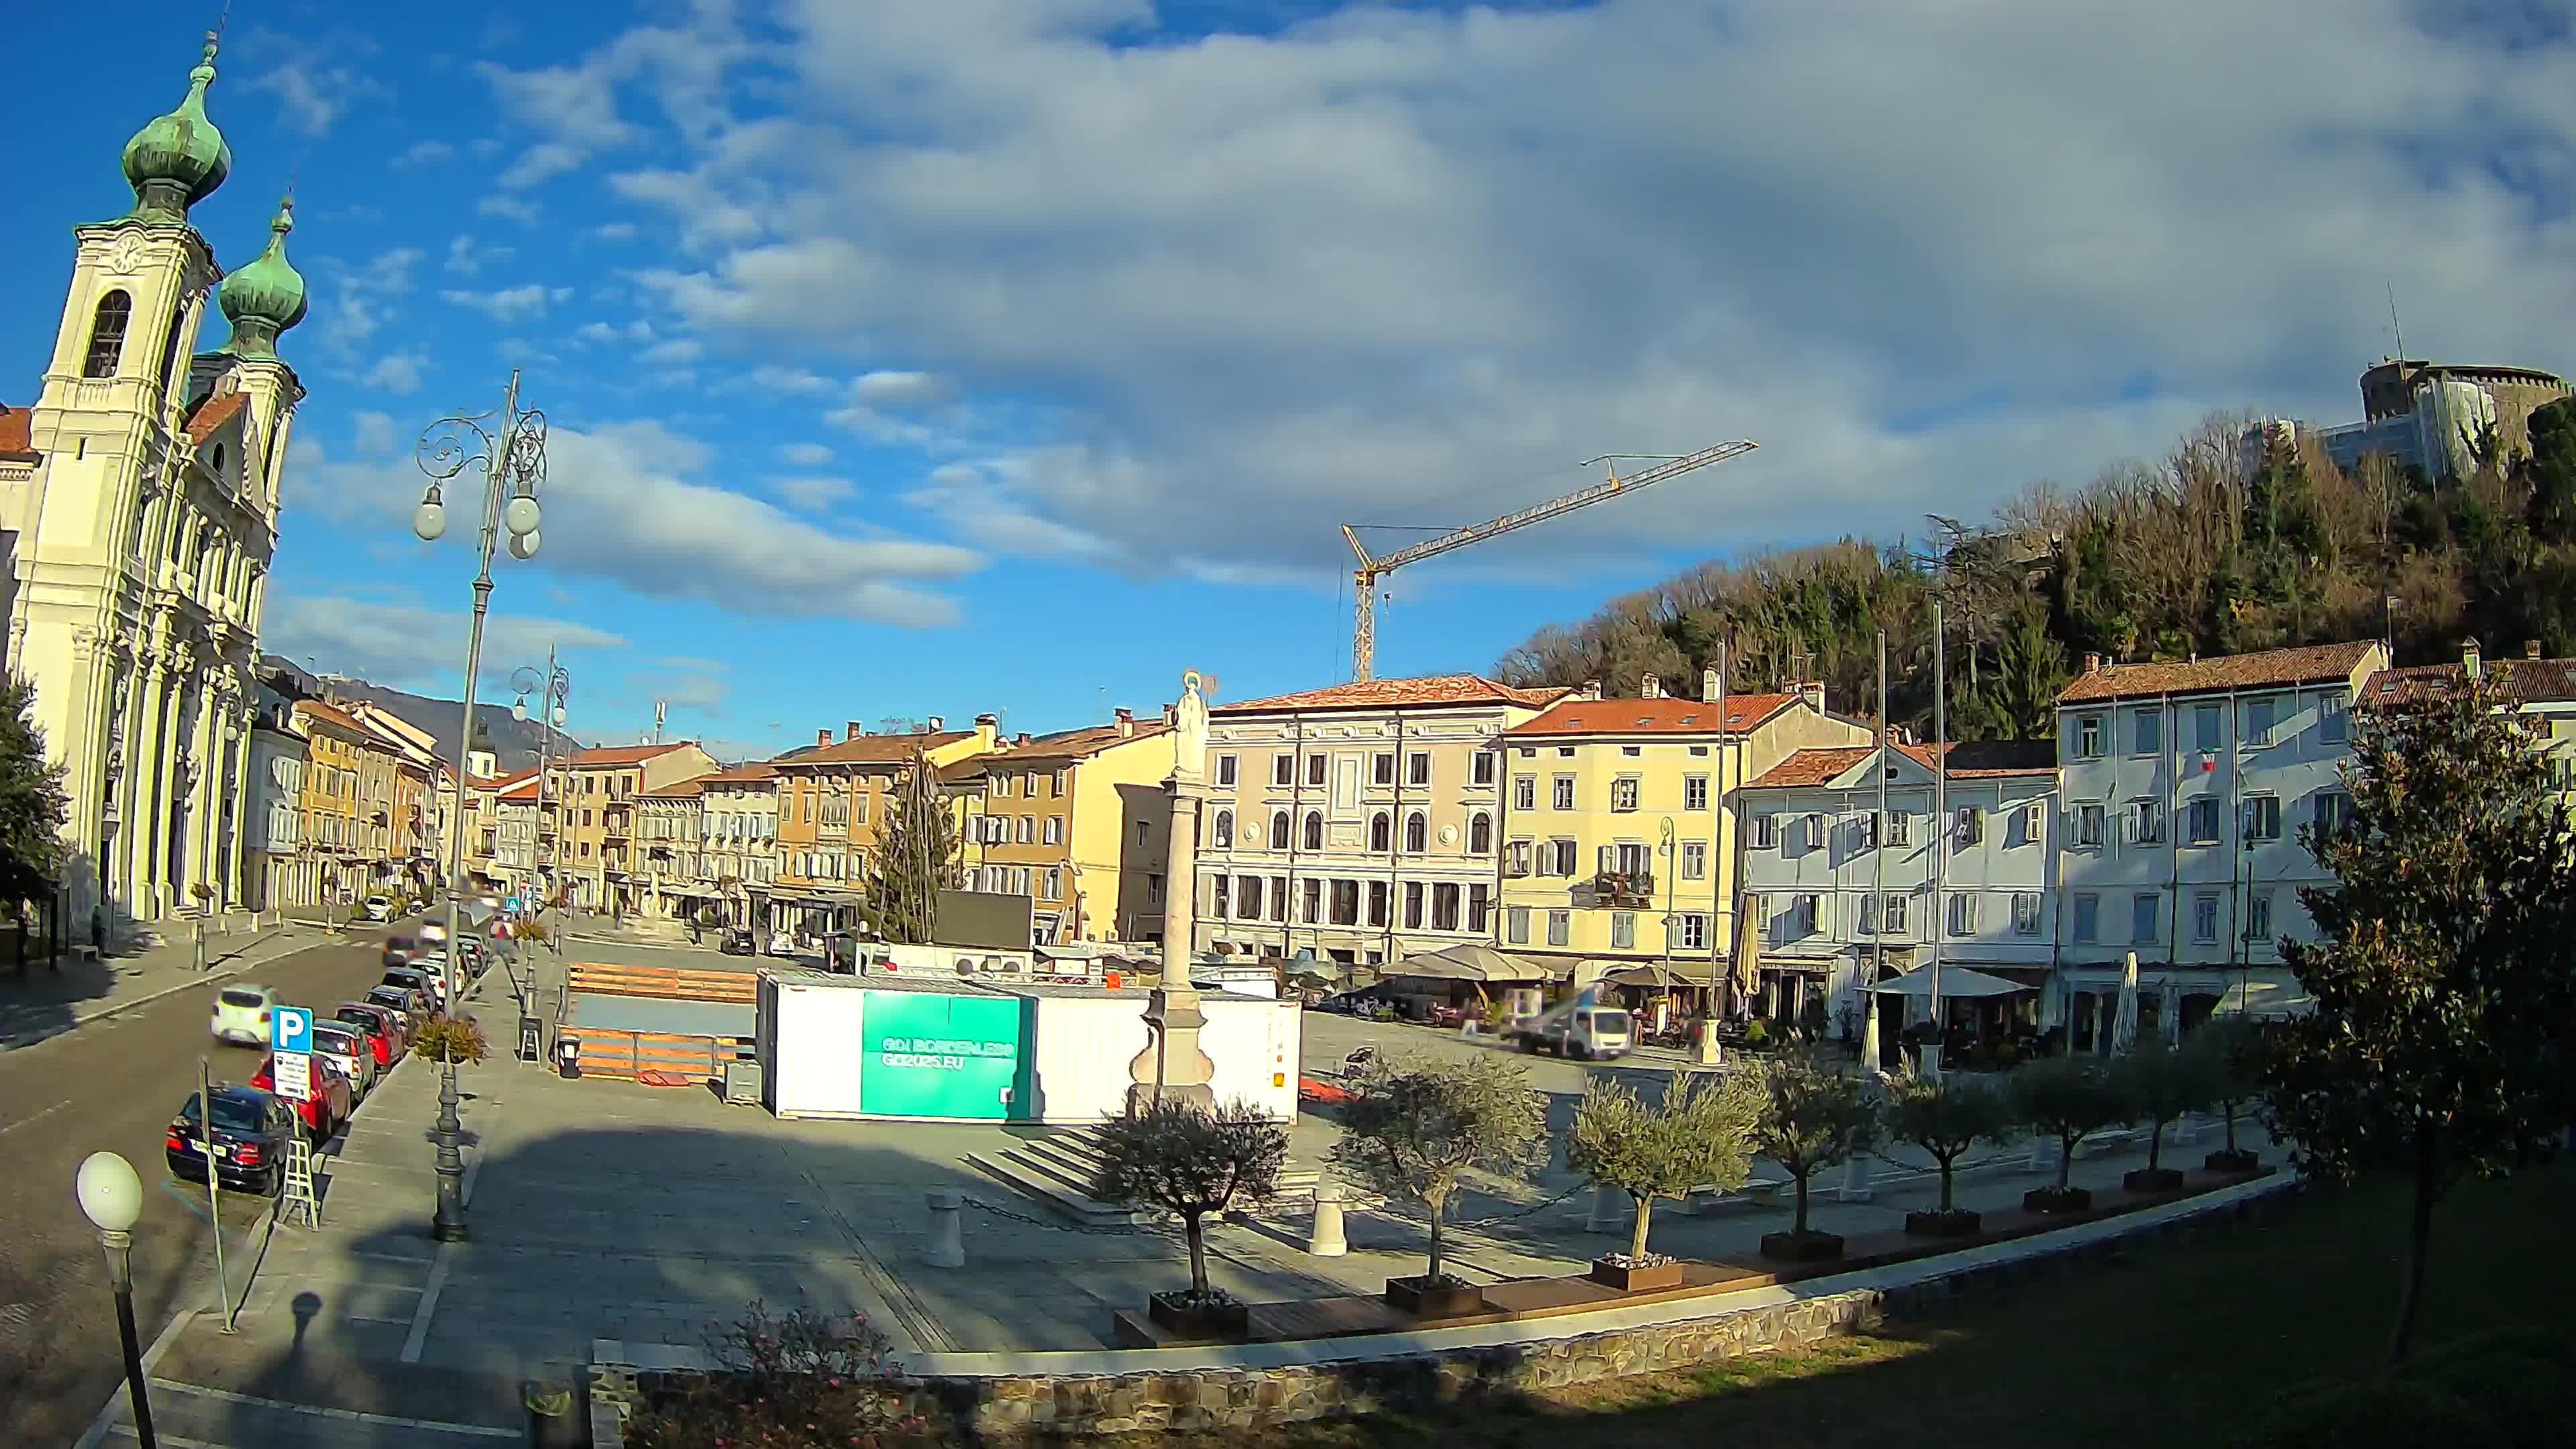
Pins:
<point x="2124" y="1031"/>
<point x="2052" y="1002"/>
<point x="2169" y="1014"/>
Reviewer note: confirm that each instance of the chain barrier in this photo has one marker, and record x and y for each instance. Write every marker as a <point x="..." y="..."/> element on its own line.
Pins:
<point x="1094" y="1230"/>
<point x="1525" y="1212"/>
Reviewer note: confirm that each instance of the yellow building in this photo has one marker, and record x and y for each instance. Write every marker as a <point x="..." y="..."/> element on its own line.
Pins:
<point x="832" y="802"/>
<point x="1077" y="821"/>
<point x="337" y="762"/>
<point x="1618" y="824"/>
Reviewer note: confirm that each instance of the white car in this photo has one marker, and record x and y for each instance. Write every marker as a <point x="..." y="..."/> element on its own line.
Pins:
<point x="241" y="1014"/>
<point x="380" y="908"/>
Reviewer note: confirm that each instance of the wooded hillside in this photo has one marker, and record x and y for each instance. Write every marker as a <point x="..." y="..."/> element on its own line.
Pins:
<point x="2220" y="548"/>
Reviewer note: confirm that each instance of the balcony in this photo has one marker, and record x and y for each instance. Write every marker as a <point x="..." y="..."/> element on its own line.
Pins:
<point x="1623" y="888"/>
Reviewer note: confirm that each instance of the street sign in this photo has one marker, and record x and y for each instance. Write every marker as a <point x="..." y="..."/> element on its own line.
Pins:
<point x="291" y="1058"/>
<point x="511" y="904"/>
<point x="293" y="1074"/>
<point x="291" y="1028"/>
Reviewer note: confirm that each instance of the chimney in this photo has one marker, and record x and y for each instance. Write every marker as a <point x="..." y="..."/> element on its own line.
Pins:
<point x="936" y="723"/>
<point x="822" y="737"/>
<point x="1126" y="722"/>
<point x="2092" y="663"/>
<point x="1708" y="684"/>
<point x="987" y="728"/>
<point x="1814" y="690"/>
<point x="2531" y="649"/>
<point x="1022" y="739"/>
<point x="1591" y="689"/>
<point x="2470" y="664"/>
<point x="854" y="730"/>
<point x="1652" y="687"/>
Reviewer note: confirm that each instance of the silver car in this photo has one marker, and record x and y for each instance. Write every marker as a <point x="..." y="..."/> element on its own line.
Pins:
<point x="349" y="1052"/>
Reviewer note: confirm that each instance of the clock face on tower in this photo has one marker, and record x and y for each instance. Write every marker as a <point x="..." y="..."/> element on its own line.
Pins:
<point x="126" y="257"/>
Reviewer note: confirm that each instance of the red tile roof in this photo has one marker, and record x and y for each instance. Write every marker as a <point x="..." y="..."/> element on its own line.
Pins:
<point x="1968" y="761"/>
<point x="1428" y="691"/>
<point x="213" y="413"/>
<point x="610" y="756"/>
<point x="678" y="790"/>
<point x="1064" y="746"/>
<point x="751" y="774"/>
<point x="871" y="750"/>
<point x="2312" y="664"/>
<point x="17" y="432"/>
<point x="332" y="714"/>
<point x="2526" y="681"/>
<point x="1653" y="716"/>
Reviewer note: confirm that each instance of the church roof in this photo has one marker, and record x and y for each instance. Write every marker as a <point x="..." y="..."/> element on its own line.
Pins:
<point x="178" y="159"/>
<point x="265" y="296"/>
<point x="17" y="436"/>
<point x="213" y="413"/>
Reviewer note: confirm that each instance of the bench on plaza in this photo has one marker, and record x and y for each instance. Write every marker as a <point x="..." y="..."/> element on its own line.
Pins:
<point x="1757" y="1191"/>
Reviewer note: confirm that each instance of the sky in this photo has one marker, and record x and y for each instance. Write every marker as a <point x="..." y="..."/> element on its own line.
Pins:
<point x="929" y="357"/>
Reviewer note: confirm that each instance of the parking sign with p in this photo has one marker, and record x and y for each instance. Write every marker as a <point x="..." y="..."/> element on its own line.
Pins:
<point x="291" y="1051"/>
<point x="292" y="1029"/>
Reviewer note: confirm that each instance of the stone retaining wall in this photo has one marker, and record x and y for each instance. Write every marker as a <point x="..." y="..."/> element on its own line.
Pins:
<point x="1010" y="1406"/>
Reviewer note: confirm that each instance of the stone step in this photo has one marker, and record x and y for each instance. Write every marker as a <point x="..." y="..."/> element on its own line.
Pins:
<point x="1049" y="1189"/>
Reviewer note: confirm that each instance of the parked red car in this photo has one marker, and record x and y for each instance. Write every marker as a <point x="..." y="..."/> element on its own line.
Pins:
<point x="324" y="1108"/>
<point x="383" y="1027"/>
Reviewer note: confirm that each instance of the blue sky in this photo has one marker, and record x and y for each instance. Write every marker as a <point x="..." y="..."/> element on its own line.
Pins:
<point x="925" y="358"/>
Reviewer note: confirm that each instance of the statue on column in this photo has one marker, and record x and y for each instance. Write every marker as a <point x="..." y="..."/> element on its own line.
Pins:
<point x="1172" y="1067"/>
<point x="1189" y="729"/>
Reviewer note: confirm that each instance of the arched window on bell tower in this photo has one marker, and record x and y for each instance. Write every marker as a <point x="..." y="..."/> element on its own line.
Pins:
<point x="107" y="334"/>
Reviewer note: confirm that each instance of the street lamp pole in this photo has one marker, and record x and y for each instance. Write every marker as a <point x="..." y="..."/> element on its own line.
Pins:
<point x="111" y="1197"/>
<point x="553" y="690"/>
<point x="512" y="457"/>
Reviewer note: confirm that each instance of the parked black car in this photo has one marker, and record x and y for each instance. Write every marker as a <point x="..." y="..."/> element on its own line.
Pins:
<point x="252" y="1129"/>
<point x="737" y="942"/>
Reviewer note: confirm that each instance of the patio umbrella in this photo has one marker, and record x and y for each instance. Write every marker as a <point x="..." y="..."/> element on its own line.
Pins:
<point x="2124" y="1031"/>
<point x="1748" y="951"/>
<point x="2052" y="1002"/>
<point x="1869" y="1031"/>
<point x="2169" y="1013"/>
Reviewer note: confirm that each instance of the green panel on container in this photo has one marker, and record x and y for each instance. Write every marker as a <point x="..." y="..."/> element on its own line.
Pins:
<point x="939" y="1056"/>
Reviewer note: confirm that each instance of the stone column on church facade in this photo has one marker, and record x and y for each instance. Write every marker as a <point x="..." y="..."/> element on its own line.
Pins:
<point x="147" y="762"/>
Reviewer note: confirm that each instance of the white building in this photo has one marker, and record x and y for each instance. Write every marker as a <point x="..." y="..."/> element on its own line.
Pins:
<point x="2541" y="691"/>
<point x="139" y="500"/>
<point x="1843" y="900"/>
<point x="2185" y="786"/>
<point x="276" y="870"/>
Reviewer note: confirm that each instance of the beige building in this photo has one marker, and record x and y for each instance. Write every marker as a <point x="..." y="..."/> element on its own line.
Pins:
<point x="1078" y="822"/>
<point x="602" y="803"/>
<point x="739" y="808"/>
<point x="1361" y="821"/>
<point x="1619" y="824"/>
<point x="832" y="802"/>
<point x="672" y="837"/>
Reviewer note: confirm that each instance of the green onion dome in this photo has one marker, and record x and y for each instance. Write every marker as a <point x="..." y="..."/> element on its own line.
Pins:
<point x="179" y="159"/>
<point x="265" y="297"/>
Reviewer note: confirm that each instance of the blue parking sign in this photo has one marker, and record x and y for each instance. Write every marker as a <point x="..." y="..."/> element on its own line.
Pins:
<point x="291" y="1028"/>
<point x="511" y="905"/>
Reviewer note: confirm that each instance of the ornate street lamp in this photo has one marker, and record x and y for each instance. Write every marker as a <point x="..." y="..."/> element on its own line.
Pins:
<point x="511" y="452"/>
<point x="111" y="1197"/>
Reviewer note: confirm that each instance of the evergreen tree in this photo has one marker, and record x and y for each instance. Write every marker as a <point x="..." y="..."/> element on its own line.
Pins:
<point x="916" y="855"/>
<point x="33" y="805"/>
<point x="2549" y="471"/>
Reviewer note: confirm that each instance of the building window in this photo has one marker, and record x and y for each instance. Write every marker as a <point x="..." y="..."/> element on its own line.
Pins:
<point x="2088" y="919"/>
<point x="1379" y="833"/>
<point x="1525" y="792"/>
<point x="1564" y="797"/>
<point x="1314" y="911"/>
<point x="1413" y="905"/>
<point x="2147" y="822"/>
<point x="1623" y="794"/>
<point x="1219" y="902"/>
<point x="2258" y="917"/>
<point x="1694" y="792"/>
<point x="1224" y="829"/>
<point x="1865" y="830"/>
<point x="2262" y="817"/>
<point x="1623" y="930"/>
<point x="1278" y="830"/>
<point x="1417" y="768"/>
<point x="1382" y="768"/>
<point x="1377" y="903"/>
<point x="2201" y="819"/>
<point x="1480" y="770"/>
<point x="2088" y="826"/>
<point x="1565" y="857"/>
<point x="1766" y="832"/>
<point x="1516" y="858"/>
<point x="1479" y="905"/>
<point x="1417" y="833"/>
<point x="1806" y="915"/>
<point x="2334" y="719"/>
<point x="1283" y="769"/>
<point x="1315" y="829"/>
<point x="2259" y="718"/>
<point x="1346" y="903"/>
<point x="1900" y="827"/>
<point x="2333" y="812"/>
<point x="2146" y="910"/>
<point x="1963" y="915"/>
<point x="1560" y="927"/>
<point x="1249" y="892"/>
<point x="1480" y="834"/>
<point x="1694" y="860"/>
<point x="1972" y="825"/>
<point x="2204" y="918"/>
<point x="2026" y="913"/>
<point x="1516" y="925"/>
<point x="1315" y="769"/>
<point x="107" y="334"/>
<point x="2088" y="737"/>
<point x="1892" y="913"/>
<point x="2147" y="732"/>
<point x="1225" y="769"/>
<point x="1691" y="931"/>
<point x="1026" y="831"/>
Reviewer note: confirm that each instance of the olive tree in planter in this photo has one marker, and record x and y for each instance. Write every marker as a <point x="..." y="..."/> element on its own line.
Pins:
<point x="1413" y="1133"/>
<point x="2230" y="1052"/>
<point x="1191" y="1161"/>
<point x="1698" y="1135"/>
<point x="1946" y="1118"/>
<point x="1815" y="1115"/>
<point x="2160" y="1084"/>
<point x="2069" y="1098"/>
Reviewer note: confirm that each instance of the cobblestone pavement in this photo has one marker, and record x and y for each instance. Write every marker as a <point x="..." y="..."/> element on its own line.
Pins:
<point x="114" y="1083"/>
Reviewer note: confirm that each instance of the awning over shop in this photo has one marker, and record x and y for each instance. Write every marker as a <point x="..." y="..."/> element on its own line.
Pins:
<point x="2267" y="997"/>
<point x="1467" y="963"/>
<point x="1694" y="975"/>
<point x="1956" y="981"/>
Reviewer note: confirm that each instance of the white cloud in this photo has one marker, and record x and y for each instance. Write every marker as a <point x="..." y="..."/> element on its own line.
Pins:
<point x="615" y="231"/>
<point x="396" y="372"/>
<point x="508" y="208"/>
<point x="409" y="646"/>
<point x="1390" y="264"/>
<point x="629" y="502"/>
<point x="980" y="504"/>
<point x="637" y="330"/>
<point x="375" y="432"/>
<point x="898" y="388"/>
<point x="510" y="303"/>
<point x="467" y="257"/>
<point x="805" y="455"/>
<point x="674" y="350"/>
<point x="315" y="82"/>
<point x="812" y="493"/>
<point x="358" y="300"/>
<point x="422" y="153"/>
<point x="771" y="377"/>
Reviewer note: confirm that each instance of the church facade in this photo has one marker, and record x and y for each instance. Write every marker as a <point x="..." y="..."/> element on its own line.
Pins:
<point x="139" y="503"/>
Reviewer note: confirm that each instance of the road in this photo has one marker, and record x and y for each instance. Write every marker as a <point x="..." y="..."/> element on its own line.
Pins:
<point x="114" y="1084"/>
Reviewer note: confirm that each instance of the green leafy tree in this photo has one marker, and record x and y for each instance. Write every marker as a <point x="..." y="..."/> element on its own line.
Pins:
<point x="1699" y="1134"/>
<point x="2069" y="1098"/>
<point x="2443" y="966"/>
<point x="2160" y="1084"/>
<point x="916" y="856"/>
<point x="2229" y="1053"/>
<point x="1190" y="1162"/>
<point x="1946" y="1118"/>
<point x="1413" y="1133"/>
<point x="33" y="805"/>
<point x="2549" y="471"/>
<point x="1815" y="1115"/>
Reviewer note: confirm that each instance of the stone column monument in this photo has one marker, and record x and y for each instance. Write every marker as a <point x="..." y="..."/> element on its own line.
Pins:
<point x="1172" y="1067"/>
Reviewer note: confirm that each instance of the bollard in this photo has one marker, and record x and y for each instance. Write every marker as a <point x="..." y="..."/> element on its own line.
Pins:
<point x="1708" y="1047"/>
<point x="550" y="1417"/>
<point x="1856" y="1186"/>
<point x="1326" y="1241"/>
<point x="947" y="1245"/>
<point x="1604" y="1217"/>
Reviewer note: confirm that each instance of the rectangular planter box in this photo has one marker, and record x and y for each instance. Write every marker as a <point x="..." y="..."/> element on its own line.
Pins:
<point x="2151" y="1179"/>
<point x="2244" y="1164"/>
<point x="1224" y="1321"/>
<point x="1426" y="1301"/>
<point x="1636" y="1280"/>
<point x="2047" y="1200"/>
<point x="1815" y="1247"/>
<point x="1959" y="1224"/>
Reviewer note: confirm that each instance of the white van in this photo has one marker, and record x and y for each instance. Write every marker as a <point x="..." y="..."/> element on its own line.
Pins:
<point x="1584" y="1033"/>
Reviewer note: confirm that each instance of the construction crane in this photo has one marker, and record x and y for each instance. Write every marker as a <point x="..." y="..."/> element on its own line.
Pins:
<point x="1371" y="569"/>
